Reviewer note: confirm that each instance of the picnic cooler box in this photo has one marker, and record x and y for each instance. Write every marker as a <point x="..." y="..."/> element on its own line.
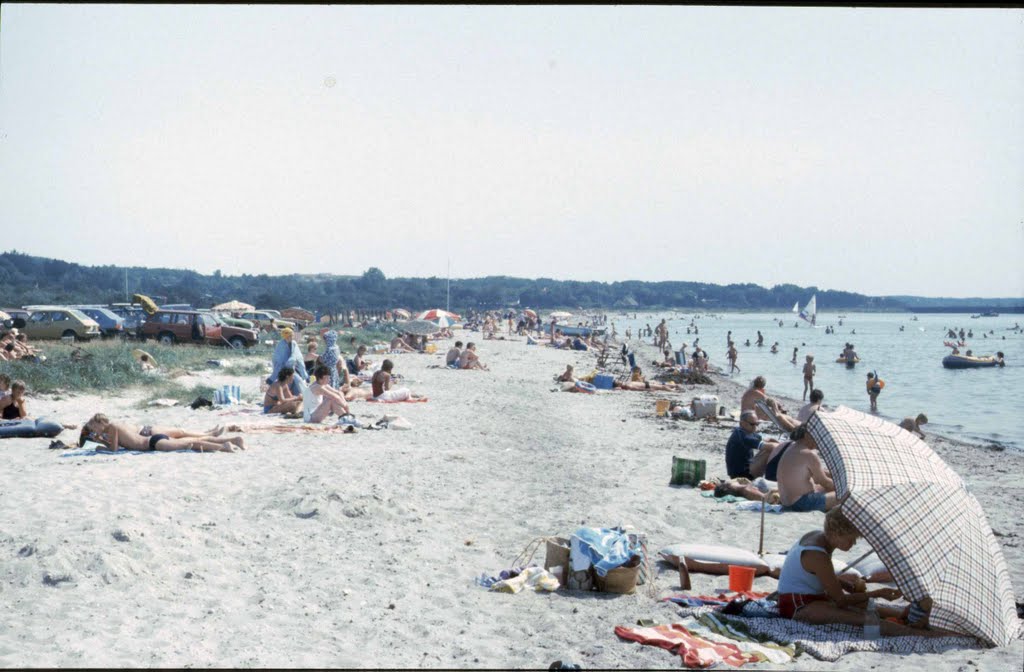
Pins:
<point x="705" y="406"/>
<point x="603" y="382"/>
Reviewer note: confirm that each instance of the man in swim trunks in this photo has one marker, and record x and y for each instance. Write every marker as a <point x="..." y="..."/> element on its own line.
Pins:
<point x="804" y="483"/>
<point x="117" y="436"/>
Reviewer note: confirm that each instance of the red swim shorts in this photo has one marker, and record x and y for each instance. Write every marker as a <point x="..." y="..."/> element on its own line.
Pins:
<point x="789" y="603"/>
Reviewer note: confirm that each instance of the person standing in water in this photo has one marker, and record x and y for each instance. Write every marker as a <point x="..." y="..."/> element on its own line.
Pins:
<point x="809" y="370"/>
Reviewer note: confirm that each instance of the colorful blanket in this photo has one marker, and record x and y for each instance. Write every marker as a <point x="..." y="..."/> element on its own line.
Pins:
<point x="760" y="621"/>
<point x="695" y="651"/>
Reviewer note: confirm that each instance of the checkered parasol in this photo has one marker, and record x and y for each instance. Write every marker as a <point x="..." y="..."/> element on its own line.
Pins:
<point x="918" y="516"/>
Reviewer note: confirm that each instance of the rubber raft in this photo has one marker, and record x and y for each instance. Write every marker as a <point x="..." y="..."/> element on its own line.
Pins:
<point x="28" y="429"/>
<point x="842" y="360"/>
<point x="965" y="362"/>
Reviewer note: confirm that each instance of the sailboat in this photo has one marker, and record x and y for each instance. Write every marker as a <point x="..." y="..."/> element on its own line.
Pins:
<point x="796" y="308"/>
<point x="810" y="311"/>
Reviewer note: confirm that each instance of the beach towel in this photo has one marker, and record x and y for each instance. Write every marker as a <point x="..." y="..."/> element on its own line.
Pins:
<point x="824" y="642"/>
<point x="695" y="651"/>
<point x="396" y="401"/>
<point x="537" y="578"/>
<point x="711" y="628"/>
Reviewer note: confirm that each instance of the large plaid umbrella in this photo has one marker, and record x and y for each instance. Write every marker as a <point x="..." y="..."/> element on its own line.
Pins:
<point x="919" y="518"/>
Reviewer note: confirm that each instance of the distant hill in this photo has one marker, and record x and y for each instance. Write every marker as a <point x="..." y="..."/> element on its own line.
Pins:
<point x="34" y="280"/>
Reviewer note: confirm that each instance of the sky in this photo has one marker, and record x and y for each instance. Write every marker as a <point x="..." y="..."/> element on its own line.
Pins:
<point x="874" y="150"/>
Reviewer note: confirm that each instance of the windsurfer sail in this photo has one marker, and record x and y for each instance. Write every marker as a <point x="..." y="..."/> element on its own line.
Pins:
<point x="809" y="313"/>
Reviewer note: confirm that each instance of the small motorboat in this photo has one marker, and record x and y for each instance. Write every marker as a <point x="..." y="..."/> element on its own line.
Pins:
<point x="965" y="362"/>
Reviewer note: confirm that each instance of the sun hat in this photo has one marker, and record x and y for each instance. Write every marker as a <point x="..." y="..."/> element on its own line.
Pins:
<point x="287" y="331"/>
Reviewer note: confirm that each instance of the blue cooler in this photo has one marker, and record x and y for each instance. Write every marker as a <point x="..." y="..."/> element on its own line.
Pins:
<point x="603" y="382"/>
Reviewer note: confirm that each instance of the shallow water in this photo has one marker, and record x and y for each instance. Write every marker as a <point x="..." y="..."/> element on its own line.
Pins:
<point x="969" y="404"/>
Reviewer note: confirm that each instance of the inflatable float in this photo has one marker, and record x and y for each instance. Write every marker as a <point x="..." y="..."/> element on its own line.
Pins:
<point x="843" y="360"/>
<point x="584" y="386"/>
<point x="965" y="362"/>
<point x="29" y="428"/>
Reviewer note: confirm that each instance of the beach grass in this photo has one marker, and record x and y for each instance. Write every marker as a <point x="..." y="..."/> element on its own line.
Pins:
<point x="109" y="366"/>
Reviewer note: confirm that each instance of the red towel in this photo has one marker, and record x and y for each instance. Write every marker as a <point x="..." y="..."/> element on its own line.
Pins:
<point x="695" y="652"/>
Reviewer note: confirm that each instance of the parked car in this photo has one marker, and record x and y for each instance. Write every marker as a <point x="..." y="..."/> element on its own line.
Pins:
<point x="132" y="314"/>
<point x="298" y="325"/>
<point x="263" y="318"/>
<point x="235" y="336"/>
<point x="111" y="325"/>
<point x="179" y="326"/>
<point x="60" y="322"/>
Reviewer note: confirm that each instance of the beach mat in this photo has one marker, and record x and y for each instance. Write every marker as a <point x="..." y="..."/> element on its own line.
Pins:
<point x="824" y="642"/>
<point x="404" y="401"/>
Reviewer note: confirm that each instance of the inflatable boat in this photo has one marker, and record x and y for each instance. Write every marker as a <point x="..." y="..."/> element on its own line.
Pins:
<point x="28" y="428"/>
<point x="842" y="360"/>
<point x="965" y="362"/>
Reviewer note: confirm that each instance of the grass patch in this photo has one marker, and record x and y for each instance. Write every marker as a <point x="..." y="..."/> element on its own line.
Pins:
<point x="109" y="366"/>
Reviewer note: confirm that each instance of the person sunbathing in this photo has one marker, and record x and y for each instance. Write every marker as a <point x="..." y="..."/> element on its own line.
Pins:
<point x="116" y="436"/>
<point x="644" y="385"/>
<point x="804" y="483"/>
<point x="809" y="590"/>
<point x="279" y="397"/>
<point x="755" y="393"/>
<point x="382" y="384"/>
<point x="332" y="401"/>
<point x="356" y="390"/>
<point x="747" y="489"/>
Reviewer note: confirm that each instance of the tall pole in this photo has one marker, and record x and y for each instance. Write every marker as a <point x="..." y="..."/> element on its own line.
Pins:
<point x="448" y="289"/>
<point x="127" y="300"/>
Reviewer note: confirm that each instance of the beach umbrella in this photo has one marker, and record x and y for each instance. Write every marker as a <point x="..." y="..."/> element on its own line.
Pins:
<point x="919" y="518"/>
<point x="434" y="313"/>
<point x="402" y="313"/>
<point x="148" y="304"/>
<point x="530" y="313"/>
<point x="235" y="306"/>
<point x="420" y="327"/>
<point x="561" y="315"/>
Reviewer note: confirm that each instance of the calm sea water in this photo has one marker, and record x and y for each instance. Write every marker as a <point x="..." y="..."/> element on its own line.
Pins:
<point x="971" y="404"/>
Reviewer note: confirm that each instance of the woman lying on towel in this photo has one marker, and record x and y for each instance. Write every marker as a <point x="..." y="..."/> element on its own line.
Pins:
<point x="152" y="437"/>
<point x="809" y="590"/>
<point x="644" y="385"/>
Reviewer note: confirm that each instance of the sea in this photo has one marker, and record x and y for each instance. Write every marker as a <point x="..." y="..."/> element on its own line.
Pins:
<point x="975" y="405"/>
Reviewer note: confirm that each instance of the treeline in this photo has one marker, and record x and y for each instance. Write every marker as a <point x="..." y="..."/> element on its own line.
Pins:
<point x="28" y="280"/>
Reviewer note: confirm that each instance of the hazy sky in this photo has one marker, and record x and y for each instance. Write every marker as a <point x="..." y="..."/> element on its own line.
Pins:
<point x="873" y="150"/>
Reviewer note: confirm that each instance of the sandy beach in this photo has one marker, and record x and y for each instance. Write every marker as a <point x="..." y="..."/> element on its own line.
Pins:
<point x="336" y="550"/>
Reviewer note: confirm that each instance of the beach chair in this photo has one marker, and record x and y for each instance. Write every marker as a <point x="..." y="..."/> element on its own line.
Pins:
<point x="774" y="419"/>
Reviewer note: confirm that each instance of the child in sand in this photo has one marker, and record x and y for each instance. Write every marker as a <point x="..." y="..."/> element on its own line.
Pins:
<point x="567" y="376"/>
<point x="116" y="436"/>
<point x="12" y="405"/>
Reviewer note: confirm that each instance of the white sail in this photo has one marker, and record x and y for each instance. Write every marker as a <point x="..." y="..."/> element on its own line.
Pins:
<point x="796" y="307"/>
<point x="810" y="311"/>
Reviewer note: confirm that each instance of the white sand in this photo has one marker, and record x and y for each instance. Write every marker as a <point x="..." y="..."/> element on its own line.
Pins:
<point x="361" y="550"/>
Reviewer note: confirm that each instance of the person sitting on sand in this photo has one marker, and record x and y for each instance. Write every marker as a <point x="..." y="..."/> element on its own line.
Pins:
<point x="399" y="344"/>
<point x="804" y="483"/>
<point x="279" y="397"/>
<point x="913" y="425"/>
<point x="756" y="393"/>
<point x="451" y="360"/>
<point x="12" y="406"/>
<point x="743" y="444"/>
<point x="311" y="356"/>
<point x="567" y="376"/>
<point x="382" y="385"/>
<point x="809" y="590"/>
<point x="332" y="401"/>
<point x="116" y="436"/>
<point x="817" y="396"/>
<point x="359" y="361"/>
<point x="469" y="358"/>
